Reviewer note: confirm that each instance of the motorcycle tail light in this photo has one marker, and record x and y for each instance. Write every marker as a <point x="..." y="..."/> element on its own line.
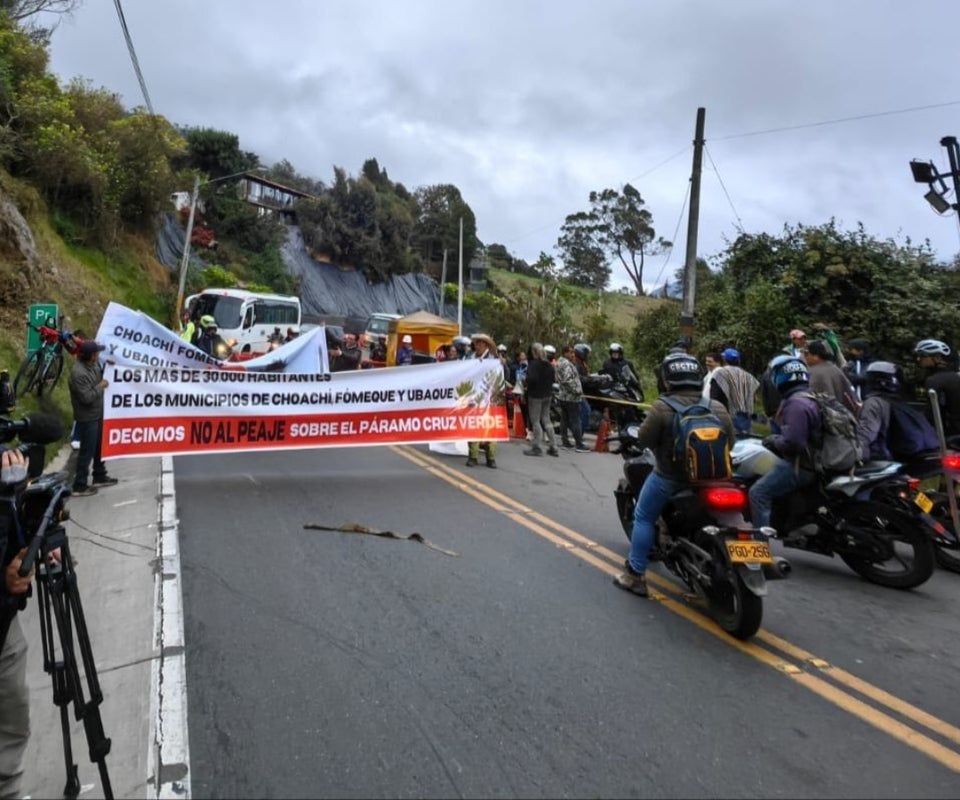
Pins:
<point x="951" y="461"/>
<point x="913" y="484"/>
<point x="725" y="498"/>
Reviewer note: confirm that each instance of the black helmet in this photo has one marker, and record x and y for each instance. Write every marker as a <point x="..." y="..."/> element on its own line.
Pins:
<point x="679" y="371"/>
<point x="882" y="377"/>
<point x="582" y="350"/>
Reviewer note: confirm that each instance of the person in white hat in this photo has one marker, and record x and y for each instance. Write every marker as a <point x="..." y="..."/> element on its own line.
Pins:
<point x="405" y="351"/>
<point x="484" y="348"/>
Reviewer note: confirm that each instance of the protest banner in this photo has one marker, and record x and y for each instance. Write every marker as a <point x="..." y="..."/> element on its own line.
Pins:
<point x="164" y="398"/>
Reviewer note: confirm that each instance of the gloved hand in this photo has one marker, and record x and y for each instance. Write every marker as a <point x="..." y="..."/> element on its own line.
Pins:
<point x="770" y="442"/>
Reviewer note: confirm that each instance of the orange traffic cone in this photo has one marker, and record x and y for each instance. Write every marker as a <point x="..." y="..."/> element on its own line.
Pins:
<point x="600" y="446"/>
<point x="519" y="429"/>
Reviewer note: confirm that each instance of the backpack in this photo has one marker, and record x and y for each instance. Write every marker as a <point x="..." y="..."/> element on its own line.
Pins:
<point x="701" y="444"/>
<point x="838" y="450"/>
<point x="910" y="432"/>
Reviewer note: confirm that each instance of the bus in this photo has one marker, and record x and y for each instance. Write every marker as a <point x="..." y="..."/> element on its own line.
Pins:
<point x="247" y="318"/>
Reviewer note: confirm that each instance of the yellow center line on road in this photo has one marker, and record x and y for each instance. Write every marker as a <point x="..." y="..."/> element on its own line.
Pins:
<point x="593" y="553"/>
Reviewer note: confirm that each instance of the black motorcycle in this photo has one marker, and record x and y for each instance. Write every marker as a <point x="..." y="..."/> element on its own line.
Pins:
<point x="704" y="539"/>
<point x="935" y="501"/>
<point x="874" y="519"/>
<point x="619" y="399"/>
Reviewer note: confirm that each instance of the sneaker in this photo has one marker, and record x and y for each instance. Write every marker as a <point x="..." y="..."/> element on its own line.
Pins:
<point x="84" y="491"/>
<point x="533" y="451"/>
<point x="566" y="445"/>
<point x="491" y="463"/>
<point x="471" y="462"/>
<point x="75" y="445"/>
<point x="553" y="452"/>
<point x="582" y="448"/>
<point x="106" y="480"/>
<point x="632" y="581"/>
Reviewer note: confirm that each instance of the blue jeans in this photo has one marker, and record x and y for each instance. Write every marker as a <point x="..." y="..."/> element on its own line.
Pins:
<point x="89" y="435"/>
<point x="584" y="415"/>
<point x="654" y="495"/>
<point x="781" y="480"/>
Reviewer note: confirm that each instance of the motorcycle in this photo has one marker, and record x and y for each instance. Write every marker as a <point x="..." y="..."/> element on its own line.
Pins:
<point x="704" y="539"/>
<point x="874" y="518"/>
<point x="936" y="502"/>
<point x="621" y="399"/>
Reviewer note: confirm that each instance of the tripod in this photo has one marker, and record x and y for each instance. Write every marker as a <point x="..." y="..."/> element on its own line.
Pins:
<point x="62" y="621"/>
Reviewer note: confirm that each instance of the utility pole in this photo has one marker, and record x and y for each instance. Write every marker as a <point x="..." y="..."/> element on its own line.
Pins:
<point x="443" y="281"/>
<point x="460" y="284"/>
<point x="690" y="265"/>
<point x="950" y="142"/>
<point x="186" y="253"/>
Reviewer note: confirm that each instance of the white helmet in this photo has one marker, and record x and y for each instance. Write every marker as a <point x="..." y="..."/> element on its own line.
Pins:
<point x="549" y="350"/>
<point x="616" y="347"/>
<point x="932" y="347"/>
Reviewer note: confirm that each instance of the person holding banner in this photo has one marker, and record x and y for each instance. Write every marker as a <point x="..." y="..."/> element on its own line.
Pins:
<point x="484" y="348"/>
<point x="86" y="396"/>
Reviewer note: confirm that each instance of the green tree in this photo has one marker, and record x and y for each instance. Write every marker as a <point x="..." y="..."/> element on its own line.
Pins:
<point x="624" y="229"/>
<point x="584" y="261"/>
<point x="439" y="211"/>
<point x="216" y="153"/>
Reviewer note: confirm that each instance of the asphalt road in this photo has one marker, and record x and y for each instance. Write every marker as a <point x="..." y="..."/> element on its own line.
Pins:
<point x="497" y="659"/>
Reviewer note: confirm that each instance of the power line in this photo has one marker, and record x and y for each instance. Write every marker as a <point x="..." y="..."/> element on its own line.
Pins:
<point x="676" y="230"/>
<point x="723" y="186"/>
<point x="834" y="121"/>
<point x="133" y="57"/>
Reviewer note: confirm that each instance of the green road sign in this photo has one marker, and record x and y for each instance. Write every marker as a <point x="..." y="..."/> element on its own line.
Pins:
<point x="38" y="315"/>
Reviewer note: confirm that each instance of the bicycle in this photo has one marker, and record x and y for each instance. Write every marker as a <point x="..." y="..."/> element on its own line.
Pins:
<point x="41" y="370"/>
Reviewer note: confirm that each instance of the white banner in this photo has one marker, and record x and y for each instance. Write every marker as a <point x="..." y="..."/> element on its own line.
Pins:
<point x="166" y="397"/>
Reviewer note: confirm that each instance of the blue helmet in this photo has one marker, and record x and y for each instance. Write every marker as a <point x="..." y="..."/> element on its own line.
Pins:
<point x="788" y="371"/>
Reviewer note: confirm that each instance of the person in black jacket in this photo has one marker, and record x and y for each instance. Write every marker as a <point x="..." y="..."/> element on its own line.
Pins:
<point x="14" y="693"/>
<point x="540" y="379"/>
<point x="933" y="358"/>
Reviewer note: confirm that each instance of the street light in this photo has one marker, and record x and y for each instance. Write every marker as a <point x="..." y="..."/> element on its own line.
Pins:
<point x="926" y="172"/>
<point x="185" y="260"/>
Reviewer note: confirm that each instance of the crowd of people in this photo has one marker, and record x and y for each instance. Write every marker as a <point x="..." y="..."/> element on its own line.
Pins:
<point x="871" y="389"/>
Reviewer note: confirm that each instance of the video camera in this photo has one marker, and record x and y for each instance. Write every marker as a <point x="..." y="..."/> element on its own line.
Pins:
<point x="34" y="433"/>
<point x="40" y="502"/>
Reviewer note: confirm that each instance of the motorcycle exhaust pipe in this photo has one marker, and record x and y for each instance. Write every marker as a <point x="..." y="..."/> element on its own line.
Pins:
<point x="780" y="568"/>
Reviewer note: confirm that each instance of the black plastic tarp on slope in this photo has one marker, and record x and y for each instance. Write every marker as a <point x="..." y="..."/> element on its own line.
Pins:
<point x="325" y="290"/>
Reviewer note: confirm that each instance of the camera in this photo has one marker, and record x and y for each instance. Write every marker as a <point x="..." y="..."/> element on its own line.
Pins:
<point x="39" y="500"/>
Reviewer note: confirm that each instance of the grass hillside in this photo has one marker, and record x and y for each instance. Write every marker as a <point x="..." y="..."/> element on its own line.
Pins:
<point x="620" y="309"/>
<point x="42" y="266"/>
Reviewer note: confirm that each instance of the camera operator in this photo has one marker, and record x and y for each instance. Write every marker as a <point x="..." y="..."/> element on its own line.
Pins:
<point x="14" y="590"/>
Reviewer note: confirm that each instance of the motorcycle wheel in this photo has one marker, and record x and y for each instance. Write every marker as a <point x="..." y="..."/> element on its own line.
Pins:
<point x="732" y="605"/>
<point x="911" y="554"/>
<point x="946" y="558"/>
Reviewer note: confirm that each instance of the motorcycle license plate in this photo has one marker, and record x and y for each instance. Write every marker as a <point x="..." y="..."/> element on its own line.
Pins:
<point x="748" y="552"/>
<point x="924" y="502"/>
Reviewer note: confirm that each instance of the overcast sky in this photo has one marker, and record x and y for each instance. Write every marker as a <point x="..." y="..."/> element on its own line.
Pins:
<point x="528" y="106"/>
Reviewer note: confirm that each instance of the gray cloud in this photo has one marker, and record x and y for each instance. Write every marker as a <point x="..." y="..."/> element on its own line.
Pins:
<point x="528" y="106"/>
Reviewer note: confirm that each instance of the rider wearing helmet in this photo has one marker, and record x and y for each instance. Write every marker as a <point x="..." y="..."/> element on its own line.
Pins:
<point x="620" y="368"/>
<point x="209" y="339"/>
<point x="933" y="358"/>
<point x="462" y="343"/>
<point x="581" y="352"/>
<point x="881" y="386"/>
<point x="798" y="417"/>
<point x="680" y="376"/>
